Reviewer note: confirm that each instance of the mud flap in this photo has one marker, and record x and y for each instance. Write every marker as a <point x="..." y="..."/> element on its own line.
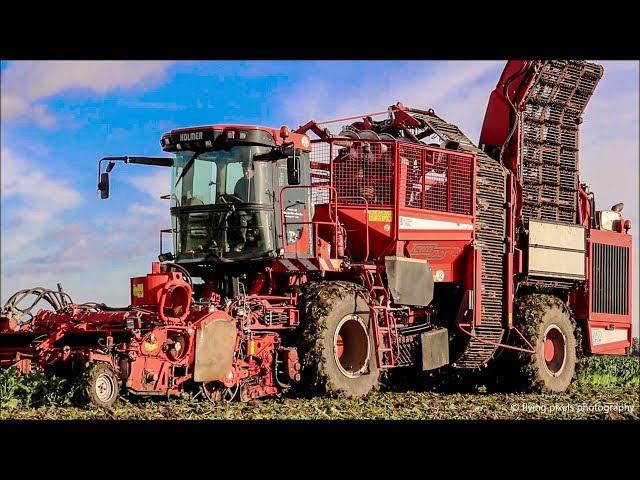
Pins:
<point x="215" y="345"/>
<point x="410" y="280"/>
<point x="435" y="349"/>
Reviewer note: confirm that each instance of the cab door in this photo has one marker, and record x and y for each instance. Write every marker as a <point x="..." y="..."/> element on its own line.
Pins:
<point x="294" y="228"/>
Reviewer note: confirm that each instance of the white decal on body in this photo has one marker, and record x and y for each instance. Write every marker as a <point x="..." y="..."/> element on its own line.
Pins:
<point x="289" y="265"/>
<point x="411" y="223"/>
<point x="600" y="336"/>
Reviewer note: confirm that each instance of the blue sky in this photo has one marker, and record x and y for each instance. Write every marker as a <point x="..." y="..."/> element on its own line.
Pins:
<point x="59" y="118"/>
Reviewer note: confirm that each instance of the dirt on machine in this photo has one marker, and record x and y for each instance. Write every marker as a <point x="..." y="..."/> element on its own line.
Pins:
<point x="391" y="242"/>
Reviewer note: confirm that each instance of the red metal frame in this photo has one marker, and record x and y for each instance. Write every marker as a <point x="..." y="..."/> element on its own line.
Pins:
<point x="389" y="236"/>
<point x="609" y="321"/>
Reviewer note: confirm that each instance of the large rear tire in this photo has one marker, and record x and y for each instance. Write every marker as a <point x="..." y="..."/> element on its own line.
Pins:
<point x="548" y="325"/>
<point x="337" y="346"/>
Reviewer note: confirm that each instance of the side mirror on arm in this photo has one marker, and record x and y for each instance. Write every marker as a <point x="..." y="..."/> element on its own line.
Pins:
<point x="103" y="183"/>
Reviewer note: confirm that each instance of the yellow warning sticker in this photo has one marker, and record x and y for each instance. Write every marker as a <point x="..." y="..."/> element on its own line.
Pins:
<point x="138" y="290"/>
<point x="380" y="215"/>
<point x="336" y="263"/>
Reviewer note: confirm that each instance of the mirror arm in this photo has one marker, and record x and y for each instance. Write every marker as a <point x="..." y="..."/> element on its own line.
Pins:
<point x="155" y="161"/>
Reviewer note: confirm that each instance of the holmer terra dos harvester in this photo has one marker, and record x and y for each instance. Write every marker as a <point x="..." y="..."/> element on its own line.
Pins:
<point x="323" y="263"/>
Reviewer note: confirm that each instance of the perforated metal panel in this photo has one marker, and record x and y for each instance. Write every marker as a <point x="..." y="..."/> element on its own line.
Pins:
<point x="320" y="160"/>
<point x="550" y="142"/>
<point x="437" y="180"/>
<point x="362" y="173"/>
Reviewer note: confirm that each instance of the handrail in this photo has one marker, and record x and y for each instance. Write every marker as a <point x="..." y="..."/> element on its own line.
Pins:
<point x="366" y="210"/>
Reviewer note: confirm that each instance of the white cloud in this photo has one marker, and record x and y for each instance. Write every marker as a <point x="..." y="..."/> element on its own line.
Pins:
<point x="43" y="196"/>
<point x="26" y="83"/>
<point x="426" y="85"/>
<point x="155" y="184"/>
<point x="149" y="210"/>
<point x="40" y="246"/>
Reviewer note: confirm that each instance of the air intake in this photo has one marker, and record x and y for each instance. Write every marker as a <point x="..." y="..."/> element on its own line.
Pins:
<point x="610" y="273"/>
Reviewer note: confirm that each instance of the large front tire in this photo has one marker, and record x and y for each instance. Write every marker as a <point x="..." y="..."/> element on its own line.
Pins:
<point x="337" y="346"/>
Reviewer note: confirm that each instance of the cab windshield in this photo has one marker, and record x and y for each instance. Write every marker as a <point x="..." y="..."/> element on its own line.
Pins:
<point x="222" y="204"/>
<point x="219" y="234"/>
<point x="221" y="177"/>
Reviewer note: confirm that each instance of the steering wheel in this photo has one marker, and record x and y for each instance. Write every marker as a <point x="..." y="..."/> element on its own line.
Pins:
<point x="228" y="198"/>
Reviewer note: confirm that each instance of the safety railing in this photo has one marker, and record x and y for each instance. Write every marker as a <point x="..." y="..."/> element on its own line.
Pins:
<point x="434" y="179"/>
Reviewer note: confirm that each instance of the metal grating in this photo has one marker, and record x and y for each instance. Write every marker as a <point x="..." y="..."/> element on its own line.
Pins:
<point x="610" y="277"/>
<point x="437" y="180"/>
<point x="408" y="348"/>
<point x="550" y="140"/>
<point x="320" y="163"/>
<point x="490" y="233"/>
<point x="413" y="190"/>
<point x="363" y="170"/>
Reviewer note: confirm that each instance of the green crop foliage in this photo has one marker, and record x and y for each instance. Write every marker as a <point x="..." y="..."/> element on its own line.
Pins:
<point x="601" y="380"/>
<point x="605" y="371"/>
<point x="35" y="389"/>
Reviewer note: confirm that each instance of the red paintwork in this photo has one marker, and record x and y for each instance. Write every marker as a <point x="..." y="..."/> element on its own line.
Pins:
<point x="391" y="201"/>
<point x="596" y="319"/>
<point x="166" y="291"/>
<point x="339" y="346"/>
<point x="549" y="350"/>
<point x="477" y="286"/>
<point x="140" y="342"/>
<point x="373" y="229"/>
<point x="511" y="88"/>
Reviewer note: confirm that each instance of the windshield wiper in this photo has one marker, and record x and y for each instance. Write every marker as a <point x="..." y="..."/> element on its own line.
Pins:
<point x="187" y="167"/>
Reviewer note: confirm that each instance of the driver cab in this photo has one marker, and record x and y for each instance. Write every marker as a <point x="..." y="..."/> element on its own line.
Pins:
<point x="226" y="193"/>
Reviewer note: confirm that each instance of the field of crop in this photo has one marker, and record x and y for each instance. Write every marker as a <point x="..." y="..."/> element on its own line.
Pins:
<point x="606" y="387"/>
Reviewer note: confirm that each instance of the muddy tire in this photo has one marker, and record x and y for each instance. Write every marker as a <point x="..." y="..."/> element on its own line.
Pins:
<point x="101" y="385"/>
<point x="549" y="326"/>
<point x="336" y="345"/>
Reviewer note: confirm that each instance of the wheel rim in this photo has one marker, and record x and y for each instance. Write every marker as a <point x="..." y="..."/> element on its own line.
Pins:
<point x="105" y="387"/>
<point x="554" y="350"/>
<point x="351" y="346"/>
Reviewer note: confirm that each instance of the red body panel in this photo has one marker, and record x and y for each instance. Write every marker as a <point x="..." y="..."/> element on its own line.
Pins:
<point x="408" y="200"/>
<point x="608" y="333"/>
<point x="499" y="116"/>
